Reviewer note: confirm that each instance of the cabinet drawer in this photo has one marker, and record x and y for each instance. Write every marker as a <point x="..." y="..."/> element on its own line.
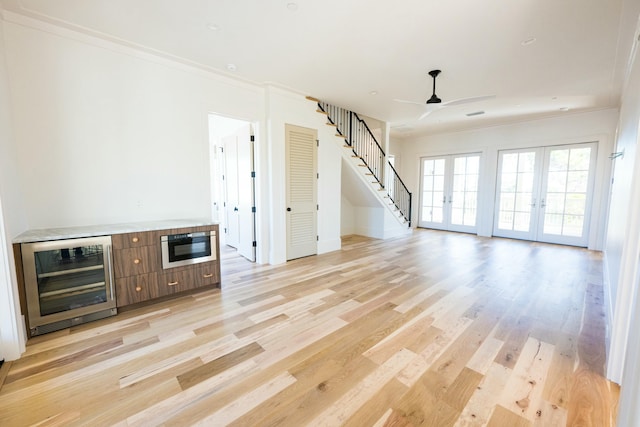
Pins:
<point x="207" y="274"/>
<point x="135" y="240"/>
<point x="176" y="281"/>
<point x="186" y="278"/>
<point x="134" y="261"/>
<point x="131" y="290"/>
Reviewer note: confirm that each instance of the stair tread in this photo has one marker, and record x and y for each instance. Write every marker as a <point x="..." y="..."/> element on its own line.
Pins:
<point x="311" y="98"/>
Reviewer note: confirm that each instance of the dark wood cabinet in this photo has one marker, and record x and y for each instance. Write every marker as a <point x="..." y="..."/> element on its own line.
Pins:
<point x="185" y="278"/>
<point x="138" y="271"/>
<point x="135" y="289"/>
<point x="135" y="240"/>
<point x="134" y="261"/>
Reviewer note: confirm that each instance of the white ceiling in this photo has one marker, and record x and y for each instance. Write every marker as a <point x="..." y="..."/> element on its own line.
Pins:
<point x="341" y="51"/>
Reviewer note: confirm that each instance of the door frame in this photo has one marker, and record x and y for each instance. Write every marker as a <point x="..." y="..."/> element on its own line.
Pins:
<point x="218" y="187"/>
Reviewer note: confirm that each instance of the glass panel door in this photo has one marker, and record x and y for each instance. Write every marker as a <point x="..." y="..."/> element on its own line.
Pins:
<point x="545" y="201"/>
<point x="67" y="279"/>
<point x="70" y="278"/>
<point x="566" y="194"/>
<point x="432" y="197"/>
<point x="517" y="194"/>
<point x="464" y="197"/>
<point x="449" y="196"/>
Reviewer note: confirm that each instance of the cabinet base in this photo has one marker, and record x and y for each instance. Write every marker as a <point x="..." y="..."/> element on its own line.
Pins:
<point x="67" y="323"/>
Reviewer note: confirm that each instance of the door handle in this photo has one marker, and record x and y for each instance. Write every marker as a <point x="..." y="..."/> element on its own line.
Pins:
<point x="288" y="209"/>
<point x="533" y="203"/>
<point x="543" y="204"/>
<point x="235" y="209"/>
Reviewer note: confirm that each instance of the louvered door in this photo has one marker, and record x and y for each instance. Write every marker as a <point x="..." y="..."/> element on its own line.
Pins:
<point x="301" y="197"/>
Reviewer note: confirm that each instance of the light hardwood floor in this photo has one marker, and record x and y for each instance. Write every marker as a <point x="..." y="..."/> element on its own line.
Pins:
<point x="433" y="329"/>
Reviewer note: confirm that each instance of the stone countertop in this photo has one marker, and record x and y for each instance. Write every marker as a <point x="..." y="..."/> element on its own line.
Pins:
<point x="45" y="234"/>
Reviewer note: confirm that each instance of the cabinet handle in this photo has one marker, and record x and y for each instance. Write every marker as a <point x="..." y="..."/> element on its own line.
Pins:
<point x="206" y="276"/>
<point x="172" y="283"/>
<point x="136" y="261"/>
<point x="138" y="288"/>
<point x="135" y="240"/>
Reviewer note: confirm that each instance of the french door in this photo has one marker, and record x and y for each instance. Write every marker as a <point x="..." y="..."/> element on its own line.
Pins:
<point x="449" y="193"/>
<point x="544" y="194"/>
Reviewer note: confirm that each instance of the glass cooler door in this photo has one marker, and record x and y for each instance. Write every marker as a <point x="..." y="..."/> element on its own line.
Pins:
<point x="69" y="278"/>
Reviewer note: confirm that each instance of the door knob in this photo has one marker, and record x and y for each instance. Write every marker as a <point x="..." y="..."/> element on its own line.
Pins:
<point x="235" y="209"/>
<point x="288" y="209"/>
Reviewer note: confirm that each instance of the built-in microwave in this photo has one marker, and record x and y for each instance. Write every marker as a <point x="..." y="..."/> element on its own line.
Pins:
<point x="188" y="248"/>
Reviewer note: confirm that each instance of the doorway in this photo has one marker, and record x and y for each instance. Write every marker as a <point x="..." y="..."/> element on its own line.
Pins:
<point x="544" y="194"/>
<point x="449" y="192"/>
<point x="233" y="183"/>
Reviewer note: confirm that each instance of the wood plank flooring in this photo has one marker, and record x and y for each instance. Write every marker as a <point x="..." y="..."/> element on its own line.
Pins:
<point x="432" y="329"/>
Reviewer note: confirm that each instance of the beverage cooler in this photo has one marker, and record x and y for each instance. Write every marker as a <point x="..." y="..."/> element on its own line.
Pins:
<point x="68" y="282"/>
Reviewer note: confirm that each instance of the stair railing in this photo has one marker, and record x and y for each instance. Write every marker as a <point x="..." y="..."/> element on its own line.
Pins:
<point x="364" y="145"/>
<point x="399" y="194"/>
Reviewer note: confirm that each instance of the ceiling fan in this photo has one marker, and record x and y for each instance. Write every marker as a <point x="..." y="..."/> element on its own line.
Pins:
<point x="437" y="102"/>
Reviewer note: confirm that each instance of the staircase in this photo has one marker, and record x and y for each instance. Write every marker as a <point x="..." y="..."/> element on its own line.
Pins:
<point x="366" y="150"/>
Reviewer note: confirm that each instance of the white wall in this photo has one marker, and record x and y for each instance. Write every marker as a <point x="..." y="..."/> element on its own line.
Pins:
<point x="288" y="108"/>
<point x="622" y="260"/>
<point x="573" y="128"/>
<point x="12" y="222"/>
<point x="347" y="217"/>
<point x="623" y="237"/>
<point x="109" y="135"/>
<point x="370" y="221"/>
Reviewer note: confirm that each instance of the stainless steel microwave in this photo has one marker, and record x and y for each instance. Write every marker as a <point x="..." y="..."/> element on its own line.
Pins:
<point x="188" y="248"/>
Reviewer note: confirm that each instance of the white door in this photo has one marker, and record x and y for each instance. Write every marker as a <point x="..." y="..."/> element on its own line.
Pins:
<point x="449" y="193"/>
<point x="565" y="200"/>
<point x="301" y="191"/>
<point x="240" y="192"/>
<point x="544" y="194"/>
<point x="232" y="219"/>
<point x="246" y="196"/>
<point x="518" y="172"/>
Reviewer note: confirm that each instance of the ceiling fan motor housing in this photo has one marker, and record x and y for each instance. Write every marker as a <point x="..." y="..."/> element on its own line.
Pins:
<point x="434" y="98"/>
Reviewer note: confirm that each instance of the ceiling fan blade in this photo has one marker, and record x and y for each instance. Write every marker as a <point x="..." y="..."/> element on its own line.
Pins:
<point x="467" y="100"/>
<point x="426" y="113"/>
<point x="404" y="101"/>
